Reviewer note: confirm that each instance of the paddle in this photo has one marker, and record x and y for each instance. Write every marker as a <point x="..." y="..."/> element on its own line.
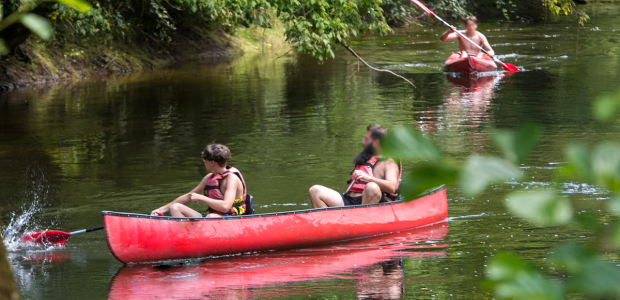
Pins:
<point x="507" y="67"/>
<point x="53" y="236"/>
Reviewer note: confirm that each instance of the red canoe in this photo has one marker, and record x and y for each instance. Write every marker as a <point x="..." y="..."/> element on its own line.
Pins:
<point x="470" y="64"/>
<point x="374" y="264"/>
<point x="134" y="238"/>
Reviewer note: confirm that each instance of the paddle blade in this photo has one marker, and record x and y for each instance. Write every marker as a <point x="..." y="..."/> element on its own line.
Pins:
<point x="510" y="67"/>
<point x="46" y="237"/>
<point x="422" y="6"/>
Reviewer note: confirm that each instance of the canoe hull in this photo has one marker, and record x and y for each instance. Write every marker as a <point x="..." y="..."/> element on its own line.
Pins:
<point x="134" y="238"/>
<point x="469" y="65"/>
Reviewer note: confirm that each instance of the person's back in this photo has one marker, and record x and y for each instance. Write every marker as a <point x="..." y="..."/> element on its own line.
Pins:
<point x="466" y="47"/>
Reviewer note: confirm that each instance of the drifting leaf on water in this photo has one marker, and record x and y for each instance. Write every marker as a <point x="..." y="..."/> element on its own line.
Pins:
<point x="80" y="5"/>
<point x="605" y="107"/>
<point x="37" y="24"/>
<point x="421" y="179"/>
<point x="517" y="146"/>
<point x="541" y="207"/>
<point x="606" y="165"/>
<point x="408" y="144"/>
<point x="513" y="278"/>
<point x="479" y="172"/>
<point x="588" y="273"/>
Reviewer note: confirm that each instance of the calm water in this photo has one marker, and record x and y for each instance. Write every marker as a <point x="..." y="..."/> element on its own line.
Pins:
<point x="130" y="144"/>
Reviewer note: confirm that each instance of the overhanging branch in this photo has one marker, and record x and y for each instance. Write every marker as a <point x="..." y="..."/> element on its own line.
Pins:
<point x="373" y="68"/>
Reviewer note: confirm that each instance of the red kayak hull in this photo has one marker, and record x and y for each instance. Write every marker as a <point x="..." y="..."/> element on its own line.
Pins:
<point x="248" y="276"/>
<point x="134" y="238"/>
<point x="469" y="65"/>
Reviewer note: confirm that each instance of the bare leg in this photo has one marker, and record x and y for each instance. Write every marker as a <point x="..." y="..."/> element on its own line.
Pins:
<point x="480" y="54"/>
<point x="463" y="53"/>
<point x="321" y="196"/>
<point x="180" y="210"/>
<point x="214" y="215"/>
<point x="371" y="194"/>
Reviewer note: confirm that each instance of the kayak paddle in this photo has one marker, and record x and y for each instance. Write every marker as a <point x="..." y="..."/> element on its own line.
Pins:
<point x="507" y="67"/>
<point x="53" y="236"/>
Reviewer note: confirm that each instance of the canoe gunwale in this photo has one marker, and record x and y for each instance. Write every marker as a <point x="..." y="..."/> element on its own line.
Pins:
<point x="304" y="211"/>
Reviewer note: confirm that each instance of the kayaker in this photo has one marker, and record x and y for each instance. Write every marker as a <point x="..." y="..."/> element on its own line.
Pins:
<point x="374" y="177"/>
<point x="466" y="47"/>
<point x="223" y="193"/>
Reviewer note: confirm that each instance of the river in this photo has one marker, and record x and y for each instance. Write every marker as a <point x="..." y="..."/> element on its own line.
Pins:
<point x="132" y="143"/>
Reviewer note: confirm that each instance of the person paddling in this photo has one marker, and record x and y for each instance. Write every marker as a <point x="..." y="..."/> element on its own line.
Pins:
<point x="466" y="47"/>
<point x="223" y="193"/>
<point x="373" y="178"/>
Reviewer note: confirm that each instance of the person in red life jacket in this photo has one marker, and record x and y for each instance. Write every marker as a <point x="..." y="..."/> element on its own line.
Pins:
<point x="223" y="189"/>
<point x="372" y="178"/>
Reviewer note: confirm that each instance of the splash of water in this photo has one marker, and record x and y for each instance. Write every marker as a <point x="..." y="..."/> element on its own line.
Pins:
<point x="19" y="225"/>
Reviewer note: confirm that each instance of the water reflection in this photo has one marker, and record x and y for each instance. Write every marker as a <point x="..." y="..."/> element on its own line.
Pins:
<point x="372" y="267"/>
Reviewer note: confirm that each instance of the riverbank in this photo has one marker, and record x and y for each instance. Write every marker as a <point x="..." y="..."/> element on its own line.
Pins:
<point x="38" y="62"/>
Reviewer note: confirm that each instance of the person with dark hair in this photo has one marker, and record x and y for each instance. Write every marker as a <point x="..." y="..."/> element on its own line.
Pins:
<point x="466" y="47"/>
<point x="224" y="194"/>
<point x="374" y="179"/>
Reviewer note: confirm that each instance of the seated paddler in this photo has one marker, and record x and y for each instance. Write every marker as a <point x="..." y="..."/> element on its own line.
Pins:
<point x="374" y="179"/>
<point x="223" y="190"/>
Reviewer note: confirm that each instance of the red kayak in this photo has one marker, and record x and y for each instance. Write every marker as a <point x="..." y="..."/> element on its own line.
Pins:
<point x="134" y="238"/>
<point x="374" y="265"/>
<point x="469" y="65"/>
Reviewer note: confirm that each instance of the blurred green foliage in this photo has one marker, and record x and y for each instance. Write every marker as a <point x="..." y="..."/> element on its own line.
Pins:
<point x="511" y="277"/>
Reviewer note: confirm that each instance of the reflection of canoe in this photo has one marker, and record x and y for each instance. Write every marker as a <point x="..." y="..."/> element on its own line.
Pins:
<point x="227" y="277"/>
<point x="470" y="64"/>
<point x="473" y="83"/>
<point x="143" y="238"/>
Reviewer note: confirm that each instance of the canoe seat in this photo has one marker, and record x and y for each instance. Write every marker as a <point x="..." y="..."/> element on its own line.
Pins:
<point x="249" y="205"/>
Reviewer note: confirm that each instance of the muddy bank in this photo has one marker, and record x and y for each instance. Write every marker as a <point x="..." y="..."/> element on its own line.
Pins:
<point x="37" y="62"/>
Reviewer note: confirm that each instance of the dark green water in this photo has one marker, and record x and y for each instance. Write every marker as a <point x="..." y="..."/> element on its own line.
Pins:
<point x="70" y="150"/>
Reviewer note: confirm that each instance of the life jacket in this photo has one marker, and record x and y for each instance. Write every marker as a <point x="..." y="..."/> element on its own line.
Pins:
<point x="358" y="187"/>
<point x="213" y="191"/>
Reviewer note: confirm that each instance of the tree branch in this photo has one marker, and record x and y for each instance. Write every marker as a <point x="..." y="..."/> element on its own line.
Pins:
<point x="373" y="68"/>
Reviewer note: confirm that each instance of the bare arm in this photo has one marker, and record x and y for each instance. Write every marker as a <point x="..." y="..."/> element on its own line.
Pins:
<point x="450" y="34"/>
<point x="389" y="184"/>
<point x="486" y="45"/>
<point x="230" y="192"/>
<point x="183" y="199"/>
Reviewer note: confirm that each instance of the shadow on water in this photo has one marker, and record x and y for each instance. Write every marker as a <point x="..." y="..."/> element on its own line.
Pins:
<point x="373" y="266"/>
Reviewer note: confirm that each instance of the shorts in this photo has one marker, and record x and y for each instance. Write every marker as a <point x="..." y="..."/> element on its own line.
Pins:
<point x="348" y="200"/>
<point x="224" y="215"/>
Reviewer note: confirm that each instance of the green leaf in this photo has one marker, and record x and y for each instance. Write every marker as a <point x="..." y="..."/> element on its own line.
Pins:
<point x="512" y="278"/>
<point x="517" y="146"/>
<point x="479" y="172"/>
<point x="80" y="5"/>
<point x="613" y="204"/>
<point x="606" y="165"/>
<point x="408" y="144"/>
<point x="421" y="179"/>
<point x="588" y="273"/>
<point x="604" y="108"/>
<point x="587" y="221"/>
<point x="540" y="207"/>
<point x="579" y="163"/>
<point x="37" y="24"/>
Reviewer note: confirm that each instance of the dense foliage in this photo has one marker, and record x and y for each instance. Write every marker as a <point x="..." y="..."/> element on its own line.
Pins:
<point x="312" y="26"/>
<point x="585" y="270"/>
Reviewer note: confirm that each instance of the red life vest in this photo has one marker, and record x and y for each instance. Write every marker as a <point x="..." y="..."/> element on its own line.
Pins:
<point x="358" y="187"/>
<point x="212" y="190"/>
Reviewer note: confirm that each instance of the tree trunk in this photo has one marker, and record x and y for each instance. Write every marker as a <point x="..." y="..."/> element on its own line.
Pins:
<point x="7" y="283"/>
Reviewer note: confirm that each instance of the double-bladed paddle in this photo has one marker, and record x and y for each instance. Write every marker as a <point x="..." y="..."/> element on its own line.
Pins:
<point x="507" y="67"/>
<point x="53" y="236"/>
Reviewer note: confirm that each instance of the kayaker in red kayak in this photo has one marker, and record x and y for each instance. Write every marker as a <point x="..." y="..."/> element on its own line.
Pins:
<point x="374" y="177"/>
<point x="223" y="193"/>
<point x="466" y="47"/>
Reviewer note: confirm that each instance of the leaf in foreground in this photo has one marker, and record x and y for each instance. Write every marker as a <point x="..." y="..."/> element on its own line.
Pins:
<point x="80" y="5"/>
<point x="512" y="278"/>
<point x="408" y="144"/>
<point x="518" y="145"/>
<point x="540" y="207"/>
<point x="479" y="172"/>
<point x="424" y="178"/>
<point x="37" y="24"/>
